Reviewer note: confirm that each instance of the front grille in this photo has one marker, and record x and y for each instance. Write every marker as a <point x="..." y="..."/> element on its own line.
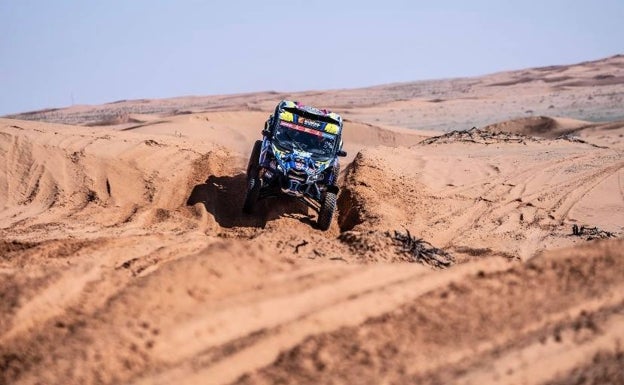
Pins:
<point x="300" y="176"/>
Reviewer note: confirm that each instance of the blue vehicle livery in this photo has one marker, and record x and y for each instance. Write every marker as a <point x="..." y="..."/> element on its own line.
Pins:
<point x="298" y="156"/>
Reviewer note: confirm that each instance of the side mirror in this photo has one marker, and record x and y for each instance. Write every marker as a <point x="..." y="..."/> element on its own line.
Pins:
<point x="341" y="153"/>
<point x="265" y="133"/>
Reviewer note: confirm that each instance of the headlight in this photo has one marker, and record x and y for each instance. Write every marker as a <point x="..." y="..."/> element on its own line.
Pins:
<point x="321" y="165"/>
<point x="316" y="177"/>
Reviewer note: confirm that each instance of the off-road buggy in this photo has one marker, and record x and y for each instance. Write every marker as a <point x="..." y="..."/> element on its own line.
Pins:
<point x="297" y="157"/>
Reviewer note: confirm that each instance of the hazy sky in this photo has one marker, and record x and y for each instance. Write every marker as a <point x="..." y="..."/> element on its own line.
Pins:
<point x="55" y="52"/>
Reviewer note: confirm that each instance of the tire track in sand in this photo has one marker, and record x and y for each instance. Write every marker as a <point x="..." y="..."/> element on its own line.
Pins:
<point x="369" y="292"/>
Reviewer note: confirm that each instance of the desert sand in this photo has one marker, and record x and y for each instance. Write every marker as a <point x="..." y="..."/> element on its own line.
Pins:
<point x="125" y="257"/>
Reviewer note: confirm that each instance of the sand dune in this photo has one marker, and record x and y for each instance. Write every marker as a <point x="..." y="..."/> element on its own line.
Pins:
<point x="125" y="257"/>
<point x="542" y="126"/>
<point x="590" y="91"/>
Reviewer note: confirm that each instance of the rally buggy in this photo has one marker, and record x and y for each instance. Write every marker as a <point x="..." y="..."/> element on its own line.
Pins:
<point x="297" y="157"/>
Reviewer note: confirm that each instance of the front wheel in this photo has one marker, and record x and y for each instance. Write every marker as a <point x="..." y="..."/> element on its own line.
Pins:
<point x="326" y="213"/>
<point x="253" y="180"/>
<point x="251" y="197"/>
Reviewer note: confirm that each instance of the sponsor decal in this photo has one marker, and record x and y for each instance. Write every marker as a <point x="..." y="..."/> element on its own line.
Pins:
<point x="313" y="110"/>
<point x="309" y="122"/>
<point x="299" y="164"/>
<point x="301" y="128"/>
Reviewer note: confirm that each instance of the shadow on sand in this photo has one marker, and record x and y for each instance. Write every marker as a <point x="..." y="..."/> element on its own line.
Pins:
<point x="223" y="197"/>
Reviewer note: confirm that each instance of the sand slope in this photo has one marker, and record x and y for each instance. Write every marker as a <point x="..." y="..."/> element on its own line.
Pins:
<point x="125" y="258"/>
